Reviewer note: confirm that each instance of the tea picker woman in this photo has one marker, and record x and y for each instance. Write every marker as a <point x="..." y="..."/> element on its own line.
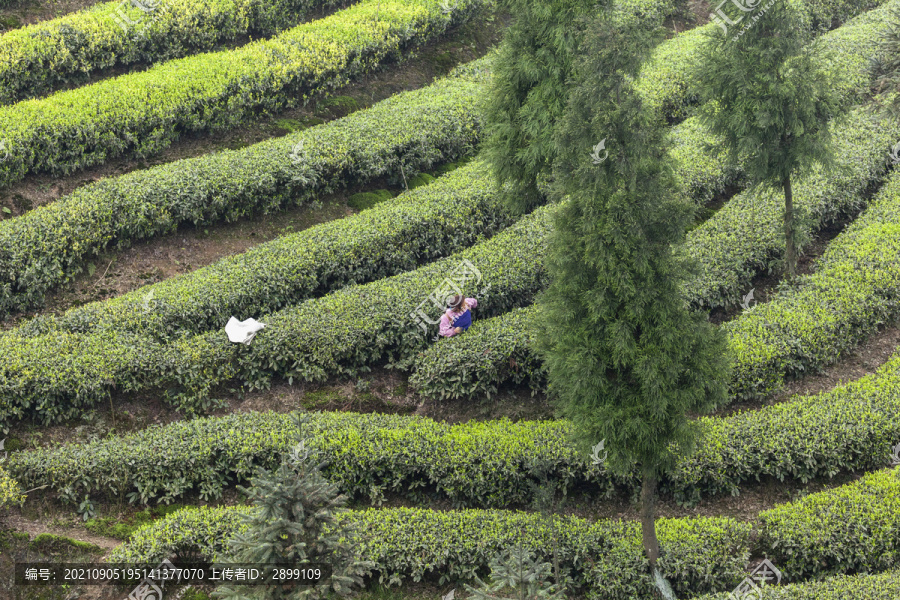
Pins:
<point x="458" y="317"/>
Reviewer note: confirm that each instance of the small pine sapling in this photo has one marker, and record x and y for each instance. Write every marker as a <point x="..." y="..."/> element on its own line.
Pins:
<point x="294" y="505"/>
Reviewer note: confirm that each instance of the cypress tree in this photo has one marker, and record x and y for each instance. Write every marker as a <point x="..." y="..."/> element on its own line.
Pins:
<point x="528" y="93"/>
<point x="627" y="359"/>
<point x="768" y="96"/>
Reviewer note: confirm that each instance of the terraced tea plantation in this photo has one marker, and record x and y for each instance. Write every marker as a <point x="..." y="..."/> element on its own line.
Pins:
<point x="320" y="167"/>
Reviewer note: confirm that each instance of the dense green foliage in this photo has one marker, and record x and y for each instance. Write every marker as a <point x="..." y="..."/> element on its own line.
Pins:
<point x="807" y="539"/>
<point x="415" y="228"/>
<point x="667" y="83"/>
<point x="885" y="586"/>
<point x="850" y="529"/>
<point x="625" y="364"/>
<point x="492" y="352"/>
<point x="885" y="68"/>
<point x="528" y="93"/>
<point x="40" y="58"/>
<point x="294" y="523"/>
<point x="740" y="240"/>
<point x="843" y="430"/>
<point x="412" y="130"/>
<point x="409" y="544"/>
<point x="769" y="98"/>
<point x="143" y="113"/>
<point x="56" y="376"/>
<point x="10" y="492"/>
<point x="854" y="291"/>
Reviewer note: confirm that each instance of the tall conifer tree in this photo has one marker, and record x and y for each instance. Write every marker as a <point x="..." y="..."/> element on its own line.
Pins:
<point x="528" y="93"/>
<point x="768" y="94"/>
<point x="627" y="358"/>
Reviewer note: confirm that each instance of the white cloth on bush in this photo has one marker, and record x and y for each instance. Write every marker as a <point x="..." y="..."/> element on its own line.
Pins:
<point x="242" y="332"/>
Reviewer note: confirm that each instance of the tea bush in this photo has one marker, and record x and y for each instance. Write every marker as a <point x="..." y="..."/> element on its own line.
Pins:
<point x="37" y="59"/>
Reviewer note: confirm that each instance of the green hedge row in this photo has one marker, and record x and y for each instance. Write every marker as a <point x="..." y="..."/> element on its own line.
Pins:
<point x="416" y="227"/>
<point x="55" y="376"/>
<point x="666" y="81"/>
<point x="473" y="365"/>
<point x="852" y="528"/>
<point x="854" y="291"/>
<point x="415" y="544"/>
<point x="48" y="246"/>
<point x="415" y="129"/>
<point x="473" y="464"/>
<point x="40" y="58"/>
<point x="884" y="586"/>
<point x="850" y="428"/>
<point x="743" y="238"/>
<point x="142" y="113"/>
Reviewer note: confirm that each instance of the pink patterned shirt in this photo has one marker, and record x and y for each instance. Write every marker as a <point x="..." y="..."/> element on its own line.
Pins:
<point x="451" y="315"/>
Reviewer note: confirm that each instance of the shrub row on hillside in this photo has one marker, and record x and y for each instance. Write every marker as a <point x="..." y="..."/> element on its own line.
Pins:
<point x="415" y="544"/>
<point x="854" y="291"/>
<point x="40" y="58"/>
<point x="48" y="246"/>
<point x="419" y="226"/>
<point x="144" y="112"/>
<point x="851" y="528"/>
<point x="742" y="238"/>
<point x="55" y="376"/>
<point x="473" y="365"/>
<point x="884" y="586"/>
<point x="415" y="129"/>
<point x="851" y="428"/>
<point x="666" y="80"/>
